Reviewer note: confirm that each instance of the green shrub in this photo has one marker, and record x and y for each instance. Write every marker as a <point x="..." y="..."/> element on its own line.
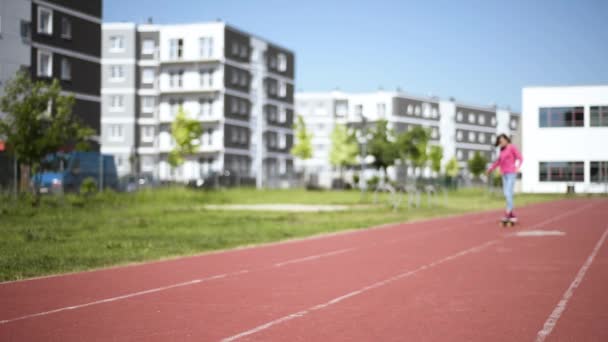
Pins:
<point x="88" y="187"/>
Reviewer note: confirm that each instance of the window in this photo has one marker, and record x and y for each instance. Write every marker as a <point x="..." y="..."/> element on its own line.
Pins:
<point x="459" y="116"/>
<point x="176" y="48"/>
<point x="25" y="28"/>
<point x="204" y="107"/>
<point x="282" y="89"/>
<point x="282" y="62"/>
<point x="234" y="76"/>
<point x="561" y="117"/>
<point x="117" y="44"/>
<point x="66" y="69"/>
<point x="205" y="45"/>
<point x="45" y="64"/>
<point x="481" y="119"/>
<point x="243" y="136"/>
<point x="459" y="135"/>
<point x="117" y="73"/>
<point x="176" y="79"/>
<point x="283" y="115"/>
<point x="471" y="118"/>
<point x="206" y="78"/>
<point x="410" y="109"/>
<point x="234" y="105"/>
<point x="561" y="171"/>
<point x="147" y="104"/>
<point x="174" y="106"/>
<point x="116" y="103"/>
<point x="244" y="51"/>
<point x="417" y="110"/>
<point x="341" y="109"/>
<point x="147" y="76"/>
<point x="459" y="155"/>
<point x="243" y="107"/>
<point x="481" y="138"/>
<point x="434" y="113"/>
<point x="66" y="28"/>
<point x="513" y="124"/>
<point x="493" y="121"/>
<point x="147" y="47"/>
<point x="434" y="133"/>
<point x="45" y="20"/>
<point x="381" y="110"/>
<point x="282" y="141"/>
<point x="599" y="171"/>
<point x="359" y="110"/>
<point x="116" y="133"/>
<point x="472" y="136"/>
<point x="599" y="116"/>
<point x="243" y="78"/>
<point x="147" y="134"/>
<point x="235" y="48"/>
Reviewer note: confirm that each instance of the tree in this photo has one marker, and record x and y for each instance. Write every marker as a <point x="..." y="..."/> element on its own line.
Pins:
<point x="435" y="156"/>
<point x="477" y="164"/>
<point x="186" y="133"/>
<point x="452" y="168"/>
<point x="39" y="122"/>
<point x="302" y="148"/>
<point x="344" y="148"/>
<point x="382" y="146"/>
<point x="412" y="146"/>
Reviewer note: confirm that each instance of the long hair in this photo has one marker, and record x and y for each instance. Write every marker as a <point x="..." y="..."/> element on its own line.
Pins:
<point x="497" y="142"/>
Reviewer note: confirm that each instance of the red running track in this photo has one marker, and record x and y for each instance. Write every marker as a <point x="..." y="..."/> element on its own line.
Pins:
<point x="460" y="278"/>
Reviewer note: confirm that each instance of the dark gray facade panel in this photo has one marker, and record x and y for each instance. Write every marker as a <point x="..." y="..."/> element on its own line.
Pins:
<point x="272" y="56"/>
<point x="231" y="131"/>
<point x="89" y="7"/>
<point x="488" y="115"/>
<point x="233" y="77"/>
<point x="400" y="108"/>
<point x="141" y="36"/>
<point x="234" y="38"/>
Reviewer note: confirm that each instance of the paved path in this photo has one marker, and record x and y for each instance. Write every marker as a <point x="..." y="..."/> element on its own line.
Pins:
<point x="452" y="279"/>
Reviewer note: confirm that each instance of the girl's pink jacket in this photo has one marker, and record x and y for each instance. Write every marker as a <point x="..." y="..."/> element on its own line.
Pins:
<point x="508" y="160"/>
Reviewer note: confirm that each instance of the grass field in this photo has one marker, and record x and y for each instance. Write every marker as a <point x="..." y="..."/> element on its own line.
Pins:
<point x="111" y="229"/>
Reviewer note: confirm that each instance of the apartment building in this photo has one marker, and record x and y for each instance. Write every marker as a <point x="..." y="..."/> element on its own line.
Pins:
<point x="55" y="39"/>
<point x="461" y="129"/>
<point x="239" y="86"/>
<point x="564" y="131"/>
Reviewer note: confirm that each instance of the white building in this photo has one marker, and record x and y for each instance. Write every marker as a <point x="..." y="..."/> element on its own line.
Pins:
<point x="239" y="86"/>
<point x="565" y="138"/>
<point x="461" y="129"/>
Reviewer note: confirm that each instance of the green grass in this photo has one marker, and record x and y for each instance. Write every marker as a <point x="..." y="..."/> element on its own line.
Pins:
<point x="112" y="229"/>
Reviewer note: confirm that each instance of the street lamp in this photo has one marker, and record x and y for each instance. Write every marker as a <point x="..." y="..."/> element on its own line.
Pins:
<point x="363" y="136"/>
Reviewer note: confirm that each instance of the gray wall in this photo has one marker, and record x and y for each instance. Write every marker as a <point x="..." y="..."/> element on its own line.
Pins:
<point x="14" y="50"/>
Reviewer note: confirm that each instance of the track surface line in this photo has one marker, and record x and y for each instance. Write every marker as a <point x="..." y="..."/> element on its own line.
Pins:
<point x="551" y="321"/>
<point x="358" y="292"/>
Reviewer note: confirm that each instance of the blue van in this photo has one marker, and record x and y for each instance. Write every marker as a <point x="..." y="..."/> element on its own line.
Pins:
<point x="67" y="171"/>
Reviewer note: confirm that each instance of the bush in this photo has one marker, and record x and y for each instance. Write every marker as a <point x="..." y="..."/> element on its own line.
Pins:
<point x="88" y="186"/>
<point x="496" y="179"/>
<point x="373" y="182"/>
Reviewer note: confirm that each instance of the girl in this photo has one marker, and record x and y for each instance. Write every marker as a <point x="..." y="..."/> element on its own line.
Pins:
<point x="509" y="162"/>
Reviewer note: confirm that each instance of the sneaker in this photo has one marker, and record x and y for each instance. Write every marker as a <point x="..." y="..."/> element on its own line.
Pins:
<point x="512" y="217"/>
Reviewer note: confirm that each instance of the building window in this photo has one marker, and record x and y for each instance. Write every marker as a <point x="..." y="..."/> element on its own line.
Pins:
<point x="561" y="171"/>
<point x="282" y="141"/>
<point x="66" y="69"/>
<point x="283" y="115"/>
<point x="176" y="48"/>
<point x="282" y="62"/>
<point x="599" y="171"/>
<point x="147" y="134"/>
<point x="282" y="89"/>
<point x="481" y="119"/>
<point x="45" y="64"/>
<point x="482" y="138"/>
<point x="45" y="20"/>
<point x="434" y="113"/>
<point x="244" y="51"/>
<point x="116" y="133"/>
<point x="147" y="104"/>
<point x="471" y="136"/>
<point x="434" y="133"/>
<point x="243" y="79"/>
<point x="459" y="116"/>
<point x="459" y="155"/>
<point x="243" y="107"/>
<point x="117" y="44"/>
<point x="25" y="28"/>
<point x="147" y="47"/>
<point x="562" y="117"/>
<point x="147" y="76"/>
<point x="471" y="118"/>
<point x="459" y="135"/>
<point x="381" y="110"/>
<point x="417" y="110"/>
<point x="176" y="79"/>
<point x="493" y="121"/>
<point x="117" y="73"/>
<point x="66" y="28"/>
<point x="204" y="107"/>
<point x="116" y="103"/>
<point x="513" y="124"/>
<point x="599" y="116"/>
<point x="205" y="47"/>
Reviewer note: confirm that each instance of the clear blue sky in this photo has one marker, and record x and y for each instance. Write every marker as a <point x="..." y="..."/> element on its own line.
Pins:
<point x="477" y="51"/>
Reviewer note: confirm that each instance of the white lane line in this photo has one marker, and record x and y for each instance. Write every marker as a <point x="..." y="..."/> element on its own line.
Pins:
<point x="561" y="305"/>
<point x="357" y="292"/>
<point x="113" y="299"/>
<point x="313" y="257"/>
<point x="168" y="287"/>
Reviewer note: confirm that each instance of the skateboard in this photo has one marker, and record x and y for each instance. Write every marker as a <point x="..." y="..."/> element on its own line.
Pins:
<point x="507" y="222"/>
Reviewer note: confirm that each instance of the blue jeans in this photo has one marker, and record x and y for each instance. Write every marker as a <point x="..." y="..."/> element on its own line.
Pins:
<point x="508" y="183"/>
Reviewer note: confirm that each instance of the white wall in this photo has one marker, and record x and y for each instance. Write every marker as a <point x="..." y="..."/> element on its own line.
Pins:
<point x="561" y="143"/>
